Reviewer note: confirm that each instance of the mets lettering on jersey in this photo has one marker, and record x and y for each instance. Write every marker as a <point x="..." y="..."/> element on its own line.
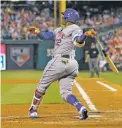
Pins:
<point x="64" y="44"/>
<point x="59" y="36"/>
<point x="2" y="57"/>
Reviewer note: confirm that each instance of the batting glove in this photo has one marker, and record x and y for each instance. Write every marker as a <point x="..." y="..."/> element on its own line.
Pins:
<point x="92" y="33"/>
<point x="34" y="30"/>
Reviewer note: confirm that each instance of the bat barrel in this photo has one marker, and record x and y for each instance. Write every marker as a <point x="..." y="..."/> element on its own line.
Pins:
<point x="110" y="62"/>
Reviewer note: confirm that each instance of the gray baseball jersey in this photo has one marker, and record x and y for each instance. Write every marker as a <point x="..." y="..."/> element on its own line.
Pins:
<point x="64" y="39"/>
<point x="59" y="68"/>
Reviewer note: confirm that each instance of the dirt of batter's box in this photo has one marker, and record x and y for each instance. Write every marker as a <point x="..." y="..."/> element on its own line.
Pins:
<point x="65" y="115"/>
<point x="19" y="81"/>
<point x="56" y="116"/>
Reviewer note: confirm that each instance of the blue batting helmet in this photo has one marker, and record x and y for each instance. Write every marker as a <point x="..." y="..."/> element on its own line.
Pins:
<point x="70" y="15"/>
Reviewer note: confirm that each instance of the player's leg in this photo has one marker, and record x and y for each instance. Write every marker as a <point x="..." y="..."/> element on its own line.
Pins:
<point x="96" y="67"/>
<point x="66" y="93"/>
<point x="49" y="76"/>
<point x="91" y="68"/>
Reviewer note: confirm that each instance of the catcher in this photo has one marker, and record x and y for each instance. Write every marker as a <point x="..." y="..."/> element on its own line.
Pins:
<point x="63" y="66"/>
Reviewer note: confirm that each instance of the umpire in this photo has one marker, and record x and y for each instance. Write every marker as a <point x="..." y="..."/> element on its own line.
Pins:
<point x="93" y="60"/>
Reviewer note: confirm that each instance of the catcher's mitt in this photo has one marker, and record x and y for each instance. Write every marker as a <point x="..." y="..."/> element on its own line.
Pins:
<point x="91" y="33"/>
<point x="34" y="30"/>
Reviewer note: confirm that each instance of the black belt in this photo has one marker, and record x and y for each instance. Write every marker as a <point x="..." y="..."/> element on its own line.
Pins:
<point x="65" y="56"/>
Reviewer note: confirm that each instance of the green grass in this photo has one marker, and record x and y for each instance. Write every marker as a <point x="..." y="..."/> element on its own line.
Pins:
<point x="23" y="93"/>
<point x="53" y="95"/>
<point x="115" y="78"/>
<point x="24" y="74"/>
<point x="17" y="93"/>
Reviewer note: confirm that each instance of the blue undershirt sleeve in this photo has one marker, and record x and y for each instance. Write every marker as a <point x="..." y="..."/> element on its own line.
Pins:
<point x="47" y="35"/>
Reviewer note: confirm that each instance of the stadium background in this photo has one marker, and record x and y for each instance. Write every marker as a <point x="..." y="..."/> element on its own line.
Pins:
<point x="16" y="17"/>
<point x="21" y="50"/>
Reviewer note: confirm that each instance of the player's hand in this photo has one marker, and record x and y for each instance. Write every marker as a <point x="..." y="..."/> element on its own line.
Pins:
<point x="34" y="30"/>
<point x="91" y="33"/>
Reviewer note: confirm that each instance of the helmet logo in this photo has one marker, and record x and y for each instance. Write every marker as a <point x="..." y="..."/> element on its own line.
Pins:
<point x="71" y="15"/>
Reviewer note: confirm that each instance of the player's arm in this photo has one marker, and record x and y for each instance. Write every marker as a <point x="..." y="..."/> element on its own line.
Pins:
<point x="79" y="41"/>
<point x="79" y="37"/>
<point x="47" y="35"/>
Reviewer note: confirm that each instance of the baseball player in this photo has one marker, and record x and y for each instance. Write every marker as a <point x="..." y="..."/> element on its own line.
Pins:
<point x="93" y="60"/>
<point x="63" y="66"/>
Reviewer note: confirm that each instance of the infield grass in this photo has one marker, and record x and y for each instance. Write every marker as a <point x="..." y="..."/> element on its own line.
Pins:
<point x="115" y="78"/>
<point x="23" y="93"/>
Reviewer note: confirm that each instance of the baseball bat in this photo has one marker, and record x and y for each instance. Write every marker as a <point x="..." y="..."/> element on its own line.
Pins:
<point x="108" y="59"/>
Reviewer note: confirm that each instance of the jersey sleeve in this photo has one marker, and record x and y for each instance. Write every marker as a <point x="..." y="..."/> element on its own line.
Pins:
<point x="77" y="33"/>
<point x="57" y="30"/>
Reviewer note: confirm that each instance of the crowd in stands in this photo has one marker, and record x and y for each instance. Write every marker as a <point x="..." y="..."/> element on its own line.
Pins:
<point x="14" y="22"/>
<point x="103" y="19"/>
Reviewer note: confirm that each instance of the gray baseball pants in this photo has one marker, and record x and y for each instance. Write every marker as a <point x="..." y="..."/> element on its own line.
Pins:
<point x="94" y="66"/>
<point x="62" y="69"/>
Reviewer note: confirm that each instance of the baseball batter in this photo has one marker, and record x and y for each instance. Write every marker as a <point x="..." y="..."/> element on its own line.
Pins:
<point x="63" y="66"/>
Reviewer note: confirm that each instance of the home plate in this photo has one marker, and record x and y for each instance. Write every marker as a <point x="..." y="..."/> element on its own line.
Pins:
<point x="95" y="116"/>
<point x="90" y="116"/>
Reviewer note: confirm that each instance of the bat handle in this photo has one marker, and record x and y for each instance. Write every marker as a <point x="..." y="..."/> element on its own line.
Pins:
<point x="99" y="43"/>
